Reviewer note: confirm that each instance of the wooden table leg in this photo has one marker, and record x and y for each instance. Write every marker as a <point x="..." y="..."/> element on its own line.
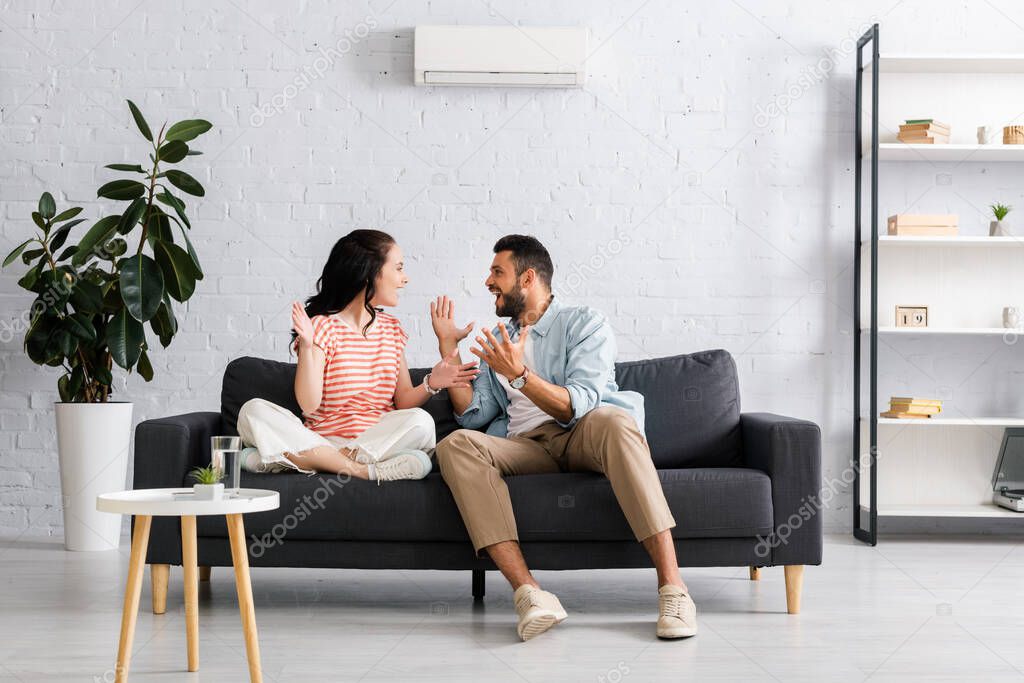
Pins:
<point x="189" y="563"/>
<point x="240" y="560"/>
<point x="132" y="591"/>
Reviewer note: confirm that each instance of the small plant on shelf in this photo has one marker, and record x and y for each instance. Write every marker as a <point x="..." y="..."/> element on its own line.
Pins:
<point x="999" y="227"/>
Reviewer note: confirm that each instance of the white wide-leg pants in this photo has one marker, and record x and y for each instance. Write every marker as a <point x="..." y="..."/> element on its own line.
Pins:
<point x="274" y="430"/>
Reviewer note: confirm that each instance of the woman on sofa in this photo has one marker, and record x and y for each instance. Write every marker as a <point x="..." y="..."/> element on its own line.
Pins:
<point x="361" y="410"/>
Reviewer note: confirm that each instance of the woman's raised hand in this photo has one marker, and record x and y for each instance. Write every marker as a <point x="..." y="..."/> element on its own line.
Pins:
<point x="302" y="325"/>
<point x="442" y="317"/>
<point x="449" y="373"/>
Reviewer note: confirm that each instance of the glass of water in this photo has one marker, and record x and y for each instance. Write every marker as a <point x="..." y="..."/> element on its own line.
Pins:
<point x="225" y="455"/>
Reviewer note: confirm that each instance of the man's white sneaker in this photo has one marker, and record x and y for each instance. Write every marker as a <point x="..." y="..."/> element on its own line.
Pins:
<point x="538" y="611"/>
<point x="410" y="464"/>
<point x="677" y="616"/>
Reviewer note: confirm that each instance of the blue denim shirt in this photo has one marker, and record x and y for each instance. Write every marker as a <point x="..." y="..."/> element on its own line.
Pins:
<point x="573" y="347"/>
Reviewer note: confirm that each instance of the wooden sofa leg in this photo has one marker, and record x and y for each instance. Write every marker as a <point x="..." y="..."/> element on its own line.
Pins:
<point x="204" y="573"/>
<point x="755" y="573"/>
<point x="479" y="584"/>
<point x="159" y="574"/>
<point x="794" y="584"/>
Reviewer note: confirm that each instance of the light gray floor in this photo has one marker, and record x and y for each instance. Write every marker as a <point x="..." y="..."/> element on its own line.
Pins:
<point x="913" y="608"/>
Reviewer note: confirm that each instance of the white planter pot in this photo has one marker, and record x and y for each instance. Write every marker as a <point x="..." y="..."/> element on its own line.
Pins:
<point x="208" y="491"/>
<point x="93" y="441"/>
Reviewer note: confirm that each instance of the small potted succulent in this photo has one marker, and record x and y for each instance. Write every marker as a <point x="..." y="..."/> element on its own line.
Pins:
<point x="208" y="484"/>
<point x="999" y="227"/>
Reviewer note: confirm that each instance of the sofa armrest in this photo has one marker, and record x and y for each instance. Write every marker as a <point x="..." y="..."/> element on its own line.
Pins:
<point x="166" y="449"/>
<point x="789" y="451"/>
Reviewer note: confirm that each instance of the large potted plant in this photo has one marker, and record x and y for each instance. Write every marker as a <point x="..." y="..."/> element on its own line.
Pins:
<point x="92" y="300"/>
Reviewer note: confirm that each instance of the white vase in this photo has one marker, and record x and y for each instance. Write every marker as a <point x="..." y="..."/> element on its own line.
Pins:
<point x="208" y="491"/>
<point x="93" y="443"/>
<point x="999" y="229"/>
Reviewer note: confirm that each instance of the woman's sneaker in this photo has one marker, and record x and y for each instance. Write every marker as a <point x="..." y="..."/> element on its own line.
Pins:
<point x="410" y="464"/>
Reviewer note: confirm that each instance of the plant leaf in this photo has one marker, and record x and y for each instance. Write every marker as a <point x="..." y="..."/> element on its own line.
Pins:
<point x="140" y="121"/>
<point x="37" y="218"/>
<point x="172" y="152"/>
<point x="97" y="236"/>
<point x="17" y="250"/>
<point x="164" y="324"/>
<point x="144" y="367"/>
<point x="102" y="374"/>
<point x="29" y="279"/>
<point x="170" y="200"/>
<point x="179" y="271"/>
<point x="67" y="343"/>
<point x="188" y="129"/>
<point x="87" y="297"/>
<point x="70" y="251"/>
<point x="126" y="167"/>
<point x="80" y="325"/>
<point x="47" y="207"/>
<point x="61" y="236"/>
<point x="64" y="388"/>
<point x="184" y="182"/>
<point x="65" y="215"/>
<point x="125" y="336"/>
<point x="142" y="286"/>
<point x="77" y="379"/>
<point x="27" y="256"/>
<point x="122" y="189"/>
<point x="131" y="216"/>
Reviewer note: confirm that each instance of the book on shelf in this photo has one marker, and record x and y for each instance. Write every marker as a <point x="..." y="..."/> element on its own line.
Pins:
<point x="906" y="407"/>
<point x="894" y="415"/>
<point x="922" y="401"/>
<point x="923" y="139"/>
<point x="924" y="224"/>
<point x="916" y="409"/>
<point x="923" y="132"/>
<point x="932" y="126"/>
<point x="924" y="231"/>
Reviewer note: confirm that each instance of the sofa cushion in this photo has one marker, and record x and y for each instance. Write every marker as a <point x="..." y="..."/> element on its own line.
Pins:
<point x="706" y="503"/>
<point x="691" y="401"/>
<point x="692" y="406"/>
<point x="248" y="377"/>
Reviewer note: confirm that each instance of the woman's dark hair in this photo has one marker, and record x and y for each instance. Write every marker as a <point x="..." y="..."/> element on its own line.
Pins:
<point x="353" y="266"/>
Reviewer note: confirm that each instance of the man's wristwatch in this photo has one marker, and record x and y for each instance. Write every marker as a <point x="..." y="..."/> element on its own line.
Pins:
<point x="520" y="381"/>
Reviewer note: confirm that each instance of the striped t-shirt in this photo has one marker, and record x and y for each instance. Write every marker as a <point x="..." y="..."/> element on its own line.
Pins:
<point x="360" y="374"/>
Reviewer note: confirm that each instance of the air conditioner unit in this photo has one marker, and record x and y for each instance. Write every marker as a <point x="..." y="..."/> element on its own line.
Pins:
<point x="528" y="56"/>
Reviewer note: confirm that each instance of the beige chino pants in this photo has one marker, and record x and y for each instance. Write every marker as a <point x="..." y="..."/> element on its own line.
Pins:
<point x="605" y="440"/>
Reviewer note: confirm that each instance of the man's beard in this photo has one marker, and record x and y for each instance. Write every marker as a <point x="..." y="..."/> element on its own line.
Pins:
<point x="512" y="305"/>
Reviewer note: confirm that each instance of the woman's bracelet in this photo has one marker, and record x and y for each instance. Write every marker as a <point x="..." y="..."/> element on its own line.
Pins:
<point x="426" y="385"/>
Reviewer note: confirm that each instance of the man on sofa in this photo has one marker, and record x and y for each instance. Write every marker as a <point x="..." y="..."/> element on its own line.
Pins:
<point x="547" y="398"/>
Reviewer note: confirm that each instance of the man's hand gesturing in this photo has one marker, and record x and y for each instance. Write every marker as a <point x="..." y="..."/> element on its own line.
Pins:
<point x="442" y="318"/>
<point x="504" y="356"/>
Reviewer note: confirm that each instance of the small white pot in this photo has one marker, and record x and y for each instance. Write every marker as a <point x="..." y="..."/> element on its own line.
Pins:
<point x="999" y="229"/>
<point x="208" y="491"/>
<point x="93" y="444"/>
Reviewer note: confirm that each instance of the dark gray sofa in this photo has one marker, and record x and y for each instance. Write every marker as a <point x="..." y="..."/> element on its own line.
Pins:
<point x="736" y="483"/>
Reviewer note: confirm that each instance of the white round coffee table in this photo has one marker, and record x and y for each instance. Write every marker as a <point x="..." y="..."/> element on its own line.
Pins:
<point x="144" y="504"/>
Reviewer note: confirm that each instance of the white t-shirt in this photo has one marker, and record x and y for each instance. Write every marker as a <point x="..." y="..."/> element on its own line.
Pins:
<point x="523" y="414"/>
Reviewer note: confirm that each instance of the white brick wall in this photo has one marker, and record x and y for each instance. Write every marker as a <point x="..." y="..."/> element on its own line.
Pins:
<point x="739" y="229"/>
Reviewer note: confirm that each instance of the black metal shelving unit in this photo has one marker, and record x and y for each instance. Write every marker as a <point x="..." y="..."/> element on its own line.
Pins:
<point x="865" y="518"/>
